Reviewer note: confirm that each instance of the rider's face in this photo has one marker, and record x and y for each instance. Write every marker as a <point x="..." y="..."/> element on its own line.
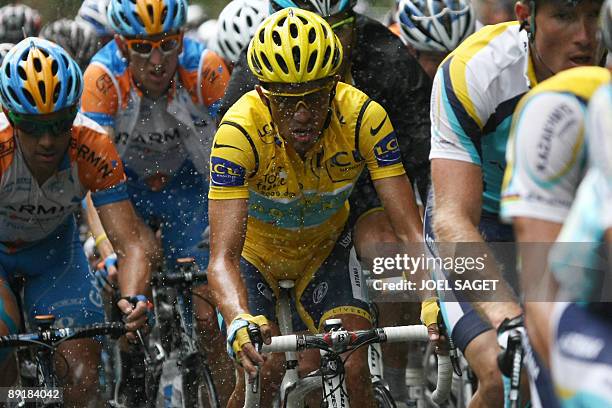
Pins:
<point x="153" y="61"/>
<point x="45" y="145"/>
<point x="299" y="119"/>
<point x="566" y="36"/>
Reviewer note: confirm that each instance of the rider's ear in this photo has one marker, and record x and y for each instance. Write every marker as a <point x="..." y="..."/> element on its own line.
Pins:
<point x="262" y="96"/>
<point x="522" y="9"/>
<point x="121" y="44"/>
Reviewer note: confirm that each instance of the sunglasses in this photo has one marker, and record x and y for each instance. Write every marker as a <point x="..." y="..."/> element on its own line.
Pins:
<point x="37" y="127"/>
<point x="313" y="98"/>
<point x="144" y="48"/>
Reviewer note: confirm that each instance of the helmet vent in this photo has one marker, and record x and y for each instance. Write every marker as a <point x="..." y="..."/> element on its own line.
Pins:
<point x="37" y="65"/>
<point x="265" y="61"/>
<point x="311" y="61"/>
<point x="54" y="67"/>
<point x="42" y="90"/>
<point x="276" y="38"/>
<point x="22" y="73"/>
<point x="249" y="21"/>
<point x="293" y="30"/>
<point x="303" y="20"/>
<point x="7" y="71"/>
<point x="281" y="63"/>
<point x="281" y="21"/>
<point x="297" y="57"/>
<point x="326" y="56"/>
<point x="150" y="11"/>
<point x="336" y="59"/>
<point x="228" y="46"/>
<point x="69" y="84"/>
<point x="261" y="36"/>
<point x="13" y="94"/>
<point x="77" y="82"/>
<point x="56" y="92"/>
<point x="312" y="35"/>
<point x="29" y="97"/>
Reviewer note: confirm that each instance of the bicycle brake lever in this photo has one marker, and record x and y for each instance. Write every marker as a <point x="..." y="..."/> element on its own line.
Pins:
<point x="257" y="340"/>
<point x="452" y="348"/>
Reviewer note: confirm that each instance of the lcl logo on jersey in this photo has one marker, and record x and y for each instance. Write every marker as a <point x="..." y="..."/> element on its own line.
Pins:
<point x="225" y="173"/>
<point x="387" y="151"/>
<point x="344" y="166"/>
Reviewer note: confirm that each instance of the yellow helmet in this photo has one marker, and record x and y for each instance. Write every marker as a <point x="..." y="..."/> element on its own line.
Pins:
<point x="294" y="46"/>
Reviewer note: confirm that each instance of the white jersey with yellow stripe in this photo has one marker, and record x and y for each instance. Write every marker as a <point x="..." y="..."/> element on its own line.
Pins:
<point x="546" y="151"/>
<point x="475" y="92"/>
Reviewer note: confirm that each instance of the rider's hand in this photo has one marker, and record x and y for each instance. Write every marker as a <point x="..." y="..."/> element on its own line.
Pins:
<point x="239" y="346"/>
<point x="430" y="311"/>
<point x="135" y="317"/>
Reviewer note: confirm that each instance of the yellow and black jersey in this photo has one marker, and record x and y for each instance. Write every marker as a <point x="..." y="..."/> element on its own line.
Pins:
<point x="298" y="207"/>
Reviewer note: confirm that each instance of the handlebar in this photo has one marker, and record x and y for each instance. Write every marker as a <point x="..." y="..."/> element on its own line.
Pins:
<point x="53" y="337"/>
<point x="340" y="341"/>
<point x="179" y="279"/>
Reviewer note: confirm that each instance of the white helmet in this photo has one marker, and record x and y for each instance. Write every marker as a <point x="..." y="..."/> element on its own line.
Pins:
<point x="94" y="13"/>
<point x="435" y="25"/>
<point x="195" y="16"/>
<point x="207" y="32"/>
<point x="78" y="38"/>
<point x="15" y="19"/>
<point x="236" y="26"/>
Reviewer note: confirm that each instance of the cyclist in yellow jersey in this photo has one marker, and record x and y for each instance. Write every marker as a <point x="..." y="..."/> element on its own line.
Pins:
<point x="283" y="163"/>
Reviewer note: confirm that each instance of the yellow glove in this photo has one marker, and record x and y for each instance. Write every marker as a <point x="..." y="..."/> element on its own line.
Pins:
<point x="430" y="311"/>
<point x="238" y="334"/>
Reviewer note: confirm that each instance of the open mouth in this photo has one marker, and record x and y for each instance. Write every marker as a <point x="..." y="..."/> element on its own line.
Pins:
<point x="302" y="135"/>
<point x="582" y="60"/>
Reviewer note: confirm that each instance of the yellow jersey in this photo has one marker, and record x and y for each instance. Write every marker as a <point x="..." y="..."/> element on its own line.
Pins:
<point x="298" y="207"/>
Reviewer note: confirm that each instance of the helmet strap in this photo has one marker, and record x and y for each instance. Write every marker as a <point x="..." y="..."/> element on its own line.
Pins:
<point x="531" y="35"/>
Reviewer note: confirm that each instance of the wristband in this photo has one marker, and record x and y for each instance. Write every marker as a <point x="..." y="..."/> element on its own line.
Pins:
<point x="430" y="311"/>
<point x="100" y="238"/>
<point x="238" y="335"/>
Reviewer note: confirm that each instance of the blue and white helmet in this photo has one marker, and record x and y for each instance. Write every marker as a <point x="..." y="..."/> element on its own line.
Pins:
<point x="236" y="26"/>
<point x="146" y="17"/>
<point x="324" y="8"/>
<point x="94" y="13"/>
<point x="39" y="77"/>
<point x="435" y="25"/>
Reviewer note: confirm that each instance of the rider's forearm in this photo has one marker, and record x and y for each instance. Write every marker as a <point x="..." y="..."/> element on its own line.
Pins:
<point x="454" y="228"/>
<point x="134" y="271"/>
<point x="137" y="258"/>
<point x="227" y="288"/>
<point x="103" y="245"/>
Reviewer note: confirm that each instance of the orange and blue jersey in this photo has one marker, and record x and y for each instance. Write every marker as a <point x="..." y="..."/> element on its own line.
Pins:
<point x="164" y="143"/>
<point x="30" y="212"/>
<point x="108" y="84"/>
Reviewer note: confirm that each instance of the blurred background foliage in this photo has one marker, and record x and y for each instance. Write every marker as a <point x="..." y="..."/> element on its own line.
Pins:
<point x="54" y="9"/>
